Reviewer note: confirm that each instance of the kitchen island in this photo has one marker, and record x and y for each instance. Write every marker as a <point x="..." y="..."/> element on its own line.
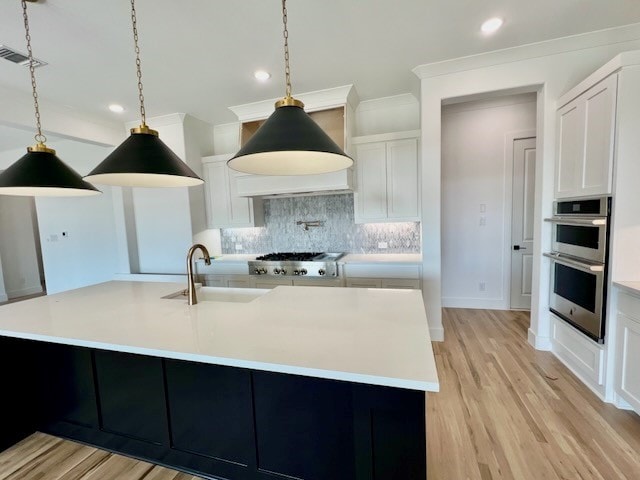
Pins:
<point x="297" y="382"/>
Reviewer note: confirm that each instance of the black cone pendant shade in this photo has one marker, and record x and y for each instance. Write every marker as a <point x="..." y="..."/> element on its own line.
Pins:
<point x="143" y="160"/>
<point x="290" y="143"/>
<point x="41" y="173"/>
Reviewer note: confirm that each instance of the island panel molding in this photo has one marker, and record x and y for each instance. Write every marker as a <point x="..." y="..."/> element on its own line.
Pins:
<point x="223" y="422"/>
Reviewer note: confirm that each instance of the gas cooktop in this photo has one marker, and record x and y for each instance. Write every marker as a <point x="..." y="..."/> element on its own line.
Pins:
<point x="311" y="264"/>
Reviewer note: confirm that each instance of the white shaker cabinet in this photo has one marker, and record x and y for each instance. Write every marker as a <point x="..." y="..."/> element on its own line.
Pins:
<point x="627" y="379"/>
<point x="586" y="133"/>
<point x="387" y="178"/>
<point x="225" y="209"/>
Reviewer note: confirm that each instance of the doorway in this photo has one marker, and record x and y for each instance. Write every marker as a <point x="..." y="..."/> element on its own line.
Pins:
<point x="478" y="141"/>
<point x="522" y="223"/>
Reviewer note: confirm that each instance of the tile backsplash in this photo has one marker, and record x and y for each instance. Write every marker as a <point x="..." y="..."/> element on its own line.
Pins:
<point x="338" y="232"/>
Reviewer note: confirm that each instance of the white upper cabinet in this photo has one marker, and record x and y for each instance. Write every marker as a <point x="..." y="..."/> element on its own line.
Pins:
<point x="387" y="183"/>
<point x="225" y="209"/>
<point x="586" y="132"/>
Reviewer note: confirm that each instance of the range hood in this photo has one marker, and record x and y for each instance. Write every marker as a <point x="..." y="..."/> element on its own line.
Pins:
<point x="267" y="185"/>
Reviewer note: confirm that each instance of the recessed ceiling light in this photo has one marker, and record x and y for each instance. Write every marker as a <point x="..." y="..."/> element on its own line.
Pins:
<point x="492" y="25"/>
<point x="262" y="76"/>
<point x="115" y="108"/>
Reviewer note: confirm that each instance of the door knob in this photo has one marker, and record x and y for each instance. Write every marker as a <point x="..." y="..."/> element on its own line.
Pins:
<point x="518" y="247"/>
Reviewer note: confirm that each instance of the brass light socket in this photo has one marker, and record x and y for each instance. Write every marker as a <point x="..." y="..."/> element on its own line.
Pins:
<point x="289" y="102"/>
<point x="41" y="147"/>
<point x="144" y="129"/>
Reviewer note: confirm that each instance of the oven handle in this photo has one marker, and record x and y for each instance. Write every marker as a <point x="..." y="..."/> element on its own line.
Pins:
<point x="597" y="221"/>
<point x="585" y="267"/>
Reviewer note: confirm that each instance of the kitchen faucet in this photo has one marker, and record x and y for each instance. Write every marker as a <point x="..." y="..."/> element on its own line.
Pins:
<point x="191" y="285"/>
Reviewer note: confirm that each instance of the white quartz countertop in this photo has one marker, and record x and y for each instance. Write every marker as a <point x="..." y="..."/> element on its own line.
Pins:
<point x="371" y="336"/>
<point x="629" y="287"/>
<point x="382" y="258"/>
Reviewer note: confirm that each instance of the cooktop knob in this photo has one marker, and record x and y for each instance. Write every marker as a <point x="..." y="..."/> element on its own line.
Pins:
<point x="263" y="271"/>
<point x="296" y="272"/>
<point x="321" y="272"/>
<point x="283" y="272"/>
<point x="303" y="271"/>
<point x="257" y="270"/>
<point x="276" y="271"/>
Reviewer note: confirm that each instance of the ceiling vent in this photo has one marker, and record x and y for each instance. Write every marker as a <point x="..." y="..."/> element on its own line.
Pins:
<point x="12" y="55"/>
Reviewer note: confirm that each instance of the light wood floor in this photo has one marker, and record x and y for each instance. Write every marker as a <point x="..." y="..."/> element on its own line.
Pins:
<point x="506" y="411"/>
<point x="42" y="457"/>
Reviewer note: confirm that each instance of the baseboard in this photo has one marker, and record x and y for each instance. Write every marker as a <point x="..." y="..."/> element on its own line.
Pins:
<point x="23" y="292"/>
<point x="539" y="343"/>
<point x="437" y="334"/>
<point x="475" y="303"/>
<point x="621" y="403"/>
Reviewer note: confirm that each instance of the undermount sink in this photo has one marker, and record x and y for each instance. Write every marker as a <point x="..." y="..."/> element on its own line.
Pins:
<point x="219" y="294"/>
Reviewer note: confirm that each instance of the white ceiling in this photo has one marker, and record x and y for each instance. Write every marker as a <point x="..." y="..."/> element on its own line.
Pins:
<point x="12" y="138"/>
<point x="199" y="55"/>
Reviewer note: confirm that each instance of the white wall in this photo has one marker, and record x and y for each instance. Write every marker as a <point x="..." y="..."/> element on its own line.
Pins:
<point x="87" y="254"/>
<point x="476" y="169"/>
<point x="551" y="68"/>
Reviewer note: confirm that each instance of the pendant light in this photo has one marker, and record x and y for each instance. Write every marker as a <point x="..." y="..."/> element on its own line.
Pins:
<point x="40" y="172"/>
<point x="289" y="142"/>
<point x="143" y="160"/>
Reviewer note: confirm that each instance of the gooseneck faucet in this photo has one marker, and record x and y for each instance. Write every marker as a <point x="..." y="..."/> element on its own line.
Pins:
<point x="191" y="284"/>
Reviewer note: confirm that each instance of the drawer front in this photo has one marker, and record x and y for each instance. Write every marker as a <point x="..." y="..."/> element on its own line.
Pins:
<point x="403" y="283"/>
<point x="364" y="283"/>
<point x="363" y="270"/>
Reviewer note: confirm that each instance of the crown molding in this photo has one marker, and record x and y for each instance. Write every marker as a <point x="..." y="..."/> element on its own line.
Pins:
<point x="556" y="46"/>
<point x="316" y="100"/>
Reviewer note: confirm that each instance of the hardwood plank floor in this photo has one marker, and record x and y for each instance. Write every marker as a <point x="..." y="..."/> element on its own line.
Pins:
<point x="504" y="411"/>
<point x="507" y="411"/>
<point x="43" y="457"/>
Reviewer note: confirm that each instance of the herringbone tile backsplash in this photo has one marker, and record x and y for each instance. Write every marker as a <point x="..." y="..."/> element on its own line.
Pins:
<point x="339" y="233"/>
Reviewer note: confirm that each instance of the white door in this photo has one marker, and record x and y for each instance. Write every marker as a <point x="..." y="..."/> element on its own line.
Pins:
<point x="524" y="174"/>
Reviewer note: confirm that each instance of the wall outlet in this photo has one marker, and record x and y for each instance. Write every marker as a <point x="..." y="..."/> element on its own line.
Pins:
<point x="238" y="246"/>
<point x="482" y="286"/>
<point x="52" y="238"/>
<point x="383" y="245"/>
<point x="483" y="221"/>
<point x="483" y="207"/>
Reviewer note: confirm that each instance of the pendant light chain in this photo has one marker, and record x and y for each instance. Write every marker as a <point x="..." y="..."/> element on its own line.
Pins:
<point x="287" y="70"/>
<point x="39" y="137"/>
<point x="134" y="22"/>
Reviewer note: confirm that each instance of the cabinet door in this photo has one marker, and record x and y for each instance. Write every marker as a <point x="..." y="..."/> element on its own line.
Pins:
<point x="131" y="396"/>
<point x="403" y="202"/>
<point x="628" y="359"/>
<point x="225" y="209"/>
<point x="570" y="140"/>
<point x="371" y="191"/>
<point x="240" y="209"/>
<point x="241" y="281"/>
<point x="217" y="190"/>
<point x="272" y="282"/>
<point x="364" y="282"/>
<point x="597" y="163"/>
<point x="403" y="283"/>
<point x="210" y="411"/>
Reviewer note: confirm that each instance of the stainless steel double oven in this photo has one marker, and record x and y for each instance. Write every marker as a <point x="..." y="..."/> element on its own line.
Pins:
<point x="579" y="263"/>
